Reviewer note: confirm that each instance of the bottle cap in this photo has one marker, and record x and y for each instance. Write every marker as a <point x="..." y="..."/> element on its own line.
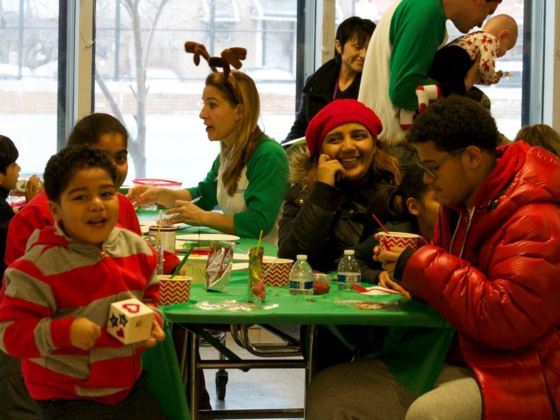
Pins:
<point x="301" y="257"/>
<point x="348" y="252"/>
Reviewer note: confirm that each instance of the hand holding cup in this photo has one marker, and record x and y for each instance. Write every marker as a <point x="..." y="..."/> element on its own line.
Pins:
<point x="391" y="245"/>
<point x="143" y="194"/>
<point x="385" y="280"/>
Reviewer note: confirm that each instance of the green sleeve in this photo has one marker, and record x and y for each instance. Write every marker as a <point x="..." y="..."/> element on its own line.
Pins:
<point x="417" y="30"/>
<point x="267" y="173"/>
<point x="207" y="189"/>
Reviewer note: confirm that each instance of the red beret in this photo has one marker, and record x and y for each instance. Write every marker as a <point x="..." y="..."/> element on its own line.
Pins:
<point x="339" y="112"/>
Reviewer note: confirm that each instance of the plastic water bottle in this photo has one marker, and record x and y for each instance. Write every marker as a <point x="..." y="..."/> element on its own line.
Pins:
<point x="348" y="271"/>
<point x="301" y="277"/>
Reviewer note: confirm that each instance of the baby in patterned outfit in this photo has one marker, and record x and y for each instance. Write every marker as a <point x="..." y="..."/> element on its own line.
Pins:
<point x="453" y="61"/>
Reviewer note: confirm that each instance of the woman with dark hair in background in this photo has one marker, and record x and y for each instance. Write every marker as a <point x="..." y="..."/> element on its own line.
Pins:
<point x="338" y="78"/>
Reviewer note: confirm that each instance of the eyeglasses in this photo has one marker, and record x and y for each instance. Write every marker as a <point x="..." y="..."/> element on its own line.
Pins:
<point x="432" y="169"/>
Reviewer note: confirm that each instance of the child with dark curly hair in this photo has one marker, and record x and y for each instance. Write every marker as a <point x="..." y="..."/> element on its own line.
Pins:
<point x="56" y="298"/>
<point x="99" y="131"/>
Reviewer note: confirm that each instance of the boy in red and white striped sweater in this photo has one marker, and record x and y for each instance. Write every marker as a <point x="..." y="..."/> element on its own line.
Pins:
<point x="56" y="298"/>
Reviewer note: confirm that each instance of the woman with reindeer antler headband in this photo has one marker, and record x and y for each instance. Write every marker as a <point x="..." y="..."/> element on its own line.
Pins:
<point x="249" y="178"/>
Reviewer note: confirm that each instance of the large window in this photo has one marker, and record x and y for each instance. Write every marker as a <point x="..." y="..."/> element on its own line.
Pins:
<point x="144" y="76"/>
<point x="28" y="79"/>
<point x="168" y="139"/>
<point x="505" y="96"/>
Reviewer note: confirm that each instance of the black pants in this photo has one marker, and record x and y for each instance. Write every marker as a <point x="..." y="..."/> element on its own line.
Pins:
<point x="15" y="402"/>
<point x="140" y="403"/>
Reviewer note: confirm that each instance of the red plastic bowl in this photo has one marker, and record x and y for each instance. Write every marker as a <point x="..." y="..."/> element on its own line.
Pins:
<point x="155" y="182"/>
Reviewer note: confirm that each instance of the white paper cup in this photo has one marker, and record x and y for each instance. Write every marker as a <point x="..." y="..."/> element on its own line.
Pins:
<point x="388" y="240"/>
<point x="174" y="290"/>
<point x="167" y="236"/>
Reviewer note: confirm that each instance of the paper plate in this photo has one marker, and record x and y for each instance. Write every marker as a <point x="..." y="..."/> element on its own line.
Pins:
<point x="207" y="237"/>
<point x="145" y="226"/>
<point x="239" y="266"/>
<point x="240" y="257"/>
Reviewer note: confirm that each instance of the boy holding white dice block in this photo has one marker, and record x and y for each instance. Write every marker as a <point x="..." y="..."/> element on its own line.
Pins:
<point x="56" y="301"/>
<point x="130" y="321"/>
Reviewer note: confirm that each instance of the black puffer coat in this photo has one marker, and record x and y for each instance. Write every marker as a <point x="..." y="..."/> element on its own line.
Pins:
<point x="322" y="221"/>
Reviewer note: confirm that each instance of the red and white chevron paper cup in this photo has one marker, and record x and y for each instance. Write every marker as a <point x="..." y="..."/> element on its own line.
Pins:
<point x="277" y="271"/>
<point x="174" y="290"/>
<point x="388" y="240"/>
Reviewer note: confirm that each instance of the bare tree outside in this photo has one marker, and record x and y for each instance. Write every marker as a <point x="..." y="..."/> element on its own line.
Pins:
<point x="149" y="16"/>
<point x="145" y="79"/>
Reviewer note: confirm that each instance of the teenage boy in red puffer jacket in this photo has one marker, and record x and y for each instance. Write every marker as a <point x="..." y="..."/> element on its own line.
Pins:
<point x="494" y="269"/>
<point x="493" y="272"/>
<point x="56" y="298"/>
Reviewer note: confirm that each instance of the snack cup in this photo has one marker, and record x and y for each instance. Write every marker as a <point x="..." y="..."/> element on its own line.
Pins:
<point x="195" y="267"/>
<point x="388" y="240"/>
<point x="277" y="271"/>
<point x="167" y="236"/>
<point x="174" y="290"/>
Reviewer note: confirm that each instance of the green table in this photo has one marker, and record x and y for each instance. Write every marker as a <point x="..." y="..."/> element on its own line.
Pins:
<point x="338" y="307"/>
<point x="414" y="349"/>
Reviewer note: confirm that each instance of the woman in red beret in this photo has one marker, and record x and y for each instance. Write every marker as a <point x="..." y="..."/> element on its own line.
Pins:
<point x="338" y="181"/>
<point x="341" y="178"/>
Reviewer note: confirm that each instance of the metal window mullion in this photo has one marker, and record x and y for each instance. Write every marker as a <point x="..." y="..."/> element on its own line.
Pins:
<point x="551" y="64"/>
<point x="533" y="84"/>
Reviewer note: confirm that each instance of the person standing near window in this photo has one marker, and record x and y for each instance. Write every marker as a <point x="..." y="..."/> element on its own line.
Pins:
<point x="401" y="54"/>
<point x="338" y="78"/>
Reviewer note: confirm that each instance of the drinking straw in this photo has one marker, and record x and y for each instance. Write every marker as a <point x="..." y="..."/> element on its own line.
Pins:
<point x="158" y="232"/>
<point x="183" y="261"/>
<point x="259" y="241"/>
<point x="379" y="222"/>
<point x="159" y="245"/>
<point x="160" y="220"/>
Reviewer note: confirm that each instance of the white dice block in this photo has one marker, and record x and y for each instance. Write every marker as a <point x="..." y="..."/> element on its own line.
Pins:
<point x="130" y="321"/>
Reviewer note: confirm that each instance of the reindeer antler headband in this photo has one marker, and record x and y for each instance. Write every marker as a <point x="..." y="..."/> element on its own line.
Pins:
<point x="228" y="57"/>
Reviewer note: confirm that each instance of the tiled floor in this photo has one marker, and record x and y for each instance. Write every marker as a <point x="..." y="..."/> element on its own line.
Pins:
<point x="257" y="388"/>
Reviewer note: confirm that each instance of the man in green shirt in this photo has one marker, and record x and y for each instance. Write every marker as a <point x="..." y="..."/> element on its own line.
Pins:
<point x="401" y="52"/>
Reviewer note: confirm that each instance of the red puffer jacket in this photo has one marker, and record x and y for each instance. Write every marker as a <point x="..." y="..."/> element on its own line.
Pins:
<point x="495" y="275"/>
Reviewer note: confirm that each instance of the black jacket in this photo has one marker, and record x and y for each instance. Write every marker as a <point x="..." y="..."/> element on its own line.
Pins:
<point x="6" y="214"/>
<point x="322" y="221"/>
<point x="318" y="92"/>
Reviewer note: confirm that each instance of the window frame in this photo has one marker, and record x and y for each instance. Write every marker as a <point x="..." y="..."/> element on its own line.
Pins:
<point x="541" y="66"/>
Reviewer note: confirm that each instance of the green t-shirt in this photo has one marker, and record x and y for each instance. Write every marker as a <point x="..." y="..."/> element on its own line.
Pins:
<point x="267" y="173"/>
<point x="417" y="30"/>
